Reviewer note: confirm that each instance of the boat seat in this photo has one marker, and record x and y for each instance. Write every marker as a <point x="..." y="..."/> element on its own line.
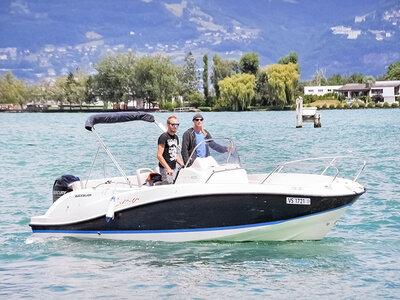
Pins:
<point x="141" y="175"/>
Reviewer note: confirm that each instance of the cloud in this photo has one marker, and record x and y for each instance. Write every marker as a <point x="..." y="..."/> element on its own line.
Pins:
<point x="176" y="9"/>
<point x="19" y="8"/>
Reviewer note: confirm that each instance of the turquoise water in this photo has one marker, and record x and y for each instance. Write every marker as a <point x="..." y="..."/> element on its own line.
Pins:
<point x="358" y="259"/>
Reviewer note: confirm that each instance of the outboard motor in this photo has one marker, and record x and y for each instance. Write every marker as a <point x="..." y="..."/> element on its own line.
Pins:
<point x="62" y="185"/>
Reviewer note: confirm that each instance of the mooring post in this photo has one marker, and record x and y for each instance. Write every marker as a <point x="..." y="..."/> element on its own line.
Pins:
<point x="317" y="120"/>
<point x="299" y="112"/>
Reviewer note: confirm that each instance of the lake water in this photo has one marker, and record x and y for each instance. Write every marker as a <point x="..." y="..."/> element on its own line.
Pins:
<point x="359" y="259"/>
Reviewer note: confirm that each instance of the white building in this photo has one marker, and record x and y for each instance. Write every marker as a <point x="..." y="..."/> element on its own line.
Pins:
<point x="389" y="90"/>
<point x="320" y="90"/>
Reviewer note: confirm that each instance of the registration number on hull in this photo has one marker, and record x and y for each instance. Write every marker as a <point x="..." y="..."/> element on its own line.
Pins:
<point x="298" y="201"/>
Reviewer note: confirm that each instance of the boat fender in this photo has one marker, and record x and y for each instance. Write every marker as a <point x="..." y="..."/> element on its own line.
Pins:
<point x="110" y="210"/>
<point x="62" y="185"/>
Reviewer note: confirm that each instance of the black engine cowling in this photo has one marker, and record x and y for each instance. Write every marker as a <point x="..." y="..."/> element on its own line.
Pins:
<point x="62" y="185"/>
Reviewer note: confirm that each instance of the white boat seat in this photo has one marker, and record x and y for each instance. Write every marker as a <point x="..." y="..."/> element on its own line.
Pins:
<point x="141" y="175"/>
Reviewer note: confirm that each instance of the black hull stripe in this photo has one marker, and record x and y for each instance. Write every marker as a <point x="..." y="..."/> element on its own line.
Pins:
<point x="186" y="230"/>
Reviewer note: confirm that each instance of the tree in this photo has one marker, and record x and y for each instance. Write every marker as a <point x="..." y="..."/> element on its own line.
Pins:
<point x="156" y="79"/>
<point x="262" y="96"/>
<point x="205" y="79"/>
<point x="368" y="80"/>
<point x="188" y="78"/>
<point x="70" y="89"/>
<point x="57" y="90"/>
<point x="291" y="58"/>
<point x="13" y="91"/>
<point x="249" y="63"/>
<point x="283" y="79"/>
<point x="335" y="79"/>
<point x="319" y="77"/>
<point x="221" y="69"/>
<point x="115" y="80"/>
<point x="393" y="71"/>
<point x="238" y="90"/>
<point x="355" y="78"/>
<point x="89" y="93"/>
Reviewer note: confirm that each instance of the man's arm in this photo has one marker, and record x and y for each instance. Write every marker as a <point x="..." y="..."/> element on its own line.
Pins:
<point x="161" y="159"/>
<point x="179" y="160"/>
<point x="214" y="145"/>
<point x="185" y="146"/>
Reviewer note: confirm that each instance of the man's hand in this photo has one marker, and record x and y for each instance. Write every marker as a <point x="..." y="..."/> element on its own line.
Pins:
<point x="170" y="172"/>
<point x="230" y="148"/>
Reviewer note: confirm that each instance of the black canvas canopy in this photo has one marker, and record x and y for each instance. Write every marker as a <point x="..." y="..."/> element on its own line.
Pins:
<point x="117" y="117"/>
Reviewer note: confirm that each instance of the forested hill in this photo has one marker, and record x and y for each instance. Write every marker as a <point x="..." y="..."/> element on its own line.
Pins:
<point x="46" y="38"/>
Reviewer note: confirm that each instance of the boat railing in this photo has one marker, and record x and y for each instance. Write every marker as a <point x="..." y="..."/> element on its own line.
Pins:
<point x="331" y="164"/>
<point x="220" y="171"/>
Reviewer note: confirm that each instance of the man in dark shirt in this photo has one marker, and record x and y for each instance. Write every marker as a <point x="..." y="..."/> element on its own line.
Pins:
<point x="197" y="135"/>
<point x="167" y="153"/>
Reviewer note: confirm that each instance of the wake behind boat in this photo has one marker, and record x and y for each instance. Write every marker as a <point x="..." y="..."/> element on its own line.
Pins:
<point x="213" y="199"/>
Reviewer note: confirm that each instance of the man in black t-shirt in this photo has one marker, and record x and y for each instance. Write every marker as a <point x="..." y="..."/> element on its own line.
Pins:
<point x="167" y="153"/>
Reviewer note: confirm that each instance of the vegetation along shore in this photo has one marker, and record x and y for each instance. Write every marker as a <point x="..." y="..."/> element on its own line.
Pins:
<point x="129" y="82"/>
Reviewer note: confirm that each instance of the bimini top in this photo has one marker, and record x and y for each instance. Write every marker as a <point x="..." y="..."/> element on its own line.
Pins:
<point x="117" y="117"/>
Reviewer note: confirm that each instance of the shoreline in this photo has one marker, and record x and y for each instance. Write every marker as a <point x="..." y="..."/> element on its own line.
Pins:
<point x="17" y="111"/>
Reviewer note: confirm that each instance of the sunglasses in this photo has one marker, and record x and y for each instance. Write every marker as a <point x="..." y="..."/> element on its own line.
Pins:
<point x="174" y="124"/>
<point x="198" y="119"/>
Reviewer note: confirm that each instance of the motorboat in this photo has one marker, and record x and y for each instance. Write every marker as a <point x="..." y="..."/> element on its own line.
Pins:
<point x="214" y="199"/>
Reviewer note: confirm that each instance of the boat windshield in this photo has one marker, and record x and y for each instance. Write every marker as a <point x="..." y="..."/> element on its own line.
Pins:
<point x="223" y="150"/>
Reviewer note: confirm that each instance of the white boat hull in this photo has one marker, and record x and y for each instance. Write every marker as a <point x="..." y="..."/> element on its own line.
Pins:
<point x="312" y="227"/>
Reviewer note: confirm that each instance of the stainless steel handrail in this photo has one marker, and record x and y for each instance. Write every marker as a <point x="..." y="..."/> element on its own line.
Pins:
<point x="111" y="156"/>
<point x="331" y="164"/>
<point x="219" y="171"/>
<point x="359" y="172"/>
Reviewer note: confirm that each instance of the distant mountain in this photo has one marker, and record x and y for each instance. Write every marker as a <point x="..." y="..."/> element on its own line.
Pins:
<point x="46" y="38"/>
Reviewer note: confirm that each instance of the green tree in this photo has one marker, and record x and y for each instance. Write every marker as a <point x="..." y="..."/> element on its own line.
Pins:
<point x="237" y="90"/>
<point x="205" y="79"/>
<point x="188" y="78"/>
<point x="291" y="58"/>
<point x="368" y="79"/>
<point x="335" y="79"/>
<point x="393" y="71"/>
<point x="249" y="63"/>
<point x="12" y="90"/>
<point x="221" y="69"/>
<point x="89" y="91"/>
<point x="355" y="78"/>
<point x="282" y="79"/>
<point x="262" y="96"/>
<point x="115" y="79"/>
<point x="156" y="79"/>
<point x="75" y="87"/>
<point x="57" y="90"/>
<point x="70" y="89"/>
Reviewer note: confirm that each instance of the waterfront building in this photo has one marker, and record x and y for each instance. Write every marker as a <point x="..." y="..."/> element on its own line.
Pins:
<point x="381" y="91"/>
<point x="320" y="90"/>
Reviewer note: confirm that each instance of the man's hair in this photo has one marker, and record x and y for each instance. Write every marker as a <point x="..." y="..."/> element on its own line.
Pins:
<point x="171" y="117"/>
